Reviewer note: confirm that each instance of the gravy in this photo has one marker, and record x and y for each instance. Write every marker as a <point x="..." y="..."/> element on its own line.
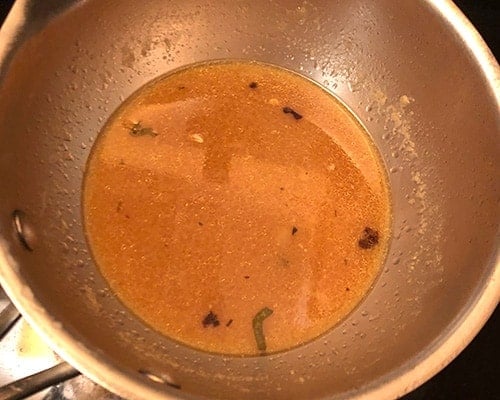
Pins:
<point x="237" y="207"/>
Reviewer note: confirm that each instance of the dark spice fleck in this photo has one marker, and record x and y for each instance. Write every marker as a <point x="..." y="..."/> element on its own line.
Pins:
<point x="294" y="230"/>
<point x="181" y="87"/>
<point x="284" y="262"/>
<point x="282" y="188"/>
<point x="127" y="216"/>
<point x="289" y="110"/>
<point x="369" y="238"/>
<point x="246" y="277"/>
<point x="119" y="206"/>
<point x="347" y="289"/>
<point x="335" y="212"/>
<point x="138" y="130"/>
<point x="200" y="223"/>
<point x="210" y="319"/>
<point x="253" y="85"/>
<point x="345" y="261"/>
<point x="229" y="322"/>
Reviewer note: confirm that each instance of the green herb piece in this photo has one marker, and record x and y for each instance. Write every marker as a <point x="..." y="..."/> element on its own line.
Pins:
<point x="138" y="130"/>
<point x="258" y="330"/>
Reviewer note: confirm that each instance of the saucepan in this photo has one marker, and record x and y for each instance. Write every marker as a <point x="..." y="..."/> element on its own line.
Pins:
<point x="417" y="75"/>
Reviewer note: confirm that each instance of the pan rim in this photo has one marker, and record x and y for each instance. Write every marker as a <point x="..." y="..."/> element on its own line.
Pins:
<point x="432" y="359"/>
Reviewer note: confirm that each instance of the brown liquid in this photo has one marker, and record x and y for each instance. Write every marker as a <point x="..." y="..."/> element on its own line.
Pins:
<point x="216" y="200"/>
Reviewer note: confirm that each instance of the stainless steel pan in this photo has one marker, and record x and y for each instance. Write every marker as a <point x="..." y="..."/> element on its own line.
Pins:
<point x="415" y="72"/>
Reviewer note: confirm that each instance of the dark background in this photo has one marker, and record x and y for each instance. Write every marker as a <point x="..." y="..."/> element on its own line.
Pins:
<point x="475" y="373"/>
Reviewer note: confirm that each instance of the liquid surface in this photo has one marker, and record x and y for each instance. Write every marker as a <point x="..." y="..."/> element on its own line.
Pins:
<point x="237" y="208"/>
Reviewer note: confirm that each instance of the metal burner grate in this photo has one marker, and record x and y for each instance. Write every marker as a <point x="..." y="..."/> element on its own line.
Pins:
<point x="23" y="353"/>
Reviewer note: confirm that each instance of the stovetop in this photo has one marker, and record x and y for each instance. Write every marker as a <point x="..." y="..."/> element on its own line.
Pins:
<point x="472" y="375"/>
<point x="23" y="353"/>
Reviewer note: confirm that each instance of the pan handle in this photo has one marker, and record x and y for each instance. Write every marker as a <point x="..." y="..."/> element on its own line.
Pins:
<point x="32" y="384"/>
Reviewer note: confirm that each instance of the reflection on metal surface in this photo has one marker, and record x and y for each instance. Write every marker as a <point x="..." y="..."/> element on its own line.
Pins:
<point x="25" y="232"/>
